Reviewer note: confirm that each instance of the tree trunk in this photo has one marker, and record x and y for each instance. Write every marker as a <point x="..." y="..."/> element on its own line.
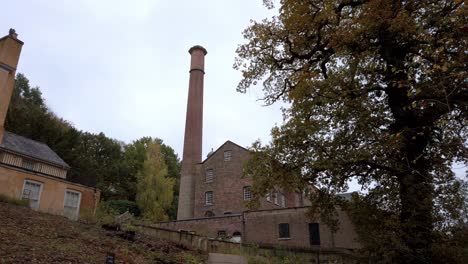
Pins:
<point x="416" y="218"/>
<point x="416" y="186"/>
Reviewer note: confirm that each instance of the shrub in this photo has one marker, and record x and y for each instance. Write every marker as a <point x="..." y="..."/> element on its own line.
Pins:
<point x="10" y="200"/>
<point x="121" y="206"/>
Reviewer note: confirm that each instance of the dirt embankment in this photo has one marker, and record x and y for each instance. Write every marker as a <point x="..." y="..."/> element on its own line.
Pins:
<point x="27" y="236"/>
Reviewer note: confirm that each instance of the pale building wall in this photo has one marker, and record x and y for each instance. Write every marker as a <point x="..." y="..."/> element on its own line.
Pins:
<point x="53" y="190"/>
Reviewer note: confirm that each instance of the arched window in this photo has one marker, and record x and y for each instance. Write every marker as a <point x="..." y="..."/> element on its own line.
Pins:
<point x="237" y="233"/>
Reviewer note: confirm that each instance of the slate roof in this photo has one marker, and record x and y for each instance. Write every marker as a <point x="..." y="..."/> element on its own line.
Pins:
<point x="31" y="148"/>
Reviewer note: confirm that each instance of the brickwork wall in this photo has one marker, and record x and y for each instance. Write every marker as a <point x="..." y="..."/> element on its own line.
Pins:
<point x="206" y="226"/>
<point x="228" y="184"/>
<point x="309" y="255"/>
<point x="262" y="227"/>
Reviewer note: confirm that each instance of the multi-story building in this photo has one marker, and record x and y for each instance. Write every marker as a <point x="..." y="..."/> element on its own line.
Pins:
<point x="213" y="192"/>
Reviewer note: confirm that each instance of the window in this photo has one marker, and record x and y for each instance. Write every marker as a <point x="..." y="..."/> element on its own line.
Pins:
<point x="247" y="193"/>
<point x="227" y="155"/>
<point x="27" y="164"/>
<point x="209" y="198"/>
<point x="283" y="201"/>
<point x="71" y="204"/>
<point x="268" y="197"/>
<point x="32" y="192"/>
<point x="283" y="230"/>
<point x="275" y="196"/>
<point x="209" y="214"/>
<point x="314" y="234"/>
<point x="209" y="176"/>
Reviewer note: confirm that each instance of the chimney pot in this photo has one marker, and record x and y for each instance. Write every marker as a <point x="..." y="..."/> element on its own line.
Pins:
<point x="12" y="33"/>
<point x="198" y="47"/>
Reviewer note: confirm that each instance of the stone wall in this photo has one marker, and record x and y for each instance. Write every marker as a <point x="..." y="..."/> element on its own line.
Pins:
<point x="310" y="255"/>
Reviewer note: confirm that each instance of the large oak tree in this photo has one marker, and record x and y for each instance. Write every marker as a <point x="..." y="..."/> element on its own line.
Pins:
<point x="376" y="91"/>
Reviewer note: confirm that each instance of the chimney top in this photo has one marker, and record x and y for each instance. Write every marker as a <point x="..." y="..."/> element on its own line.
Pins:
<point x="12" y="33"/>
<point x="198" y="47"/>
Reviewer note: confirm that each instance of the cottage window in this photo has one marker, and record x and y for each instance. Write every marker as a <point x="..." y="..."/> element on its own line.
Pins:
<point x="268" y="197"/>
<point x="32" y="191"/>
<point x="209" y="198"/>
<point x="209" y="176"/>
<point x="283" y="230"/>
<point x="71" y="204"/>
<point x="247" y="193"/>
<point x="283" y="201"/>
<point x="227" y="155"/>
<point x="275" y="196"/>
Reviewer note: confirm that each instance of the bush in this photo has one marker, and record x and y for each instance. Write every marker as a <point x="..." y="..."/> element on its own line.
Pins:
<point x="14" y="201"/>
<point x="121" y="206"/>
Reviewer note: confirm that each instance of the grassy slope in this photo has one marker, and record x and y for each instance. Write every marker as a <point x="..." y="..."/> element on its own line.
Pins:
<point x="27" y="236"/>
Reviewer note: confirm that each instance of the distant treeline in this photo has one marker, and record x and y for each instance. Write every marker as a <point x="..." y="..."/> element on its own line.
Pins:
<point x="95" y="159"/>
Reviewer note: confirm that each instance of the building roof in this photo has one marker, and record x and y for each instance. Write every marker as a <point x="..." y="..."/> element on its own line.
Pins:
<point x="31" y="148"/>
<point x="347" y="196"/>
<point x="220" y="147"/>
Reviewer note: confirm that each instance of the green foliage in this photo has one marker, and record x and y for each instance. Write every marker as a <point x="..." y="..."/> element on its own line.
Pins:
<point x="121" y="206"/>
<point x="6" y="199"/>
<point x="154" y="187"/>
<point x="106" y="216"/>
<point x="134" y="156"/>
<point x="376" y="92"/>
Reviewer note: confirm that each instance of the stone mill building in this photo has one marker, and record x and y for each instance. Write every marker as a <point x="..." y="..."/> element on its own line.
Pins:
<point x="213" y="192"/>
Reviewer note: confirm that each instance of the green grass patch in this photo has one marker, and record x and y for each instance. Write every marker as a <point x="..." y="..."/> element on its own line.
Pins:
<point x="14" y="201"/>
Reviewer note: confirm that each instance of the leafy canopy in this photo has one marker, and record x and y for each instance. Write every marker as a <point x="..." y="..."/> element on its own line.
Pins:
<point x="377" y="93"/>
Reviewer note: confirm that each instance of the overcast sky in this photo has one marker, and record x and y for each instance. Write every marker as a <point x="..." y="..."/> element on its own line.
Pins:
<point x="121" y="67"/>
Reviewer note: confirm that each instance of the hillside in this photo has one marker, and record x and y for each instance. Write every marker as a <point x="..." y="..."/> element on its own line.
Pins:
<point x="27" y="236"/>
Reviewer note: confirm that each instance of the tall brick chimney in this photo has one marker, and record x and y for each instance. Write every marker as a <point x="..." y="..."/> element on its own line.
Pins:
<point x="10" y="49"/>
<point x="193" y="133"/>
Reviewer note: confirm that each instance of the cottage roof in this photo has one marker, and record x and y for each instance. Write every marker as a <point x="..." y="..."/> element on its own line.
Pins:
<point x="31" y="148"/>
